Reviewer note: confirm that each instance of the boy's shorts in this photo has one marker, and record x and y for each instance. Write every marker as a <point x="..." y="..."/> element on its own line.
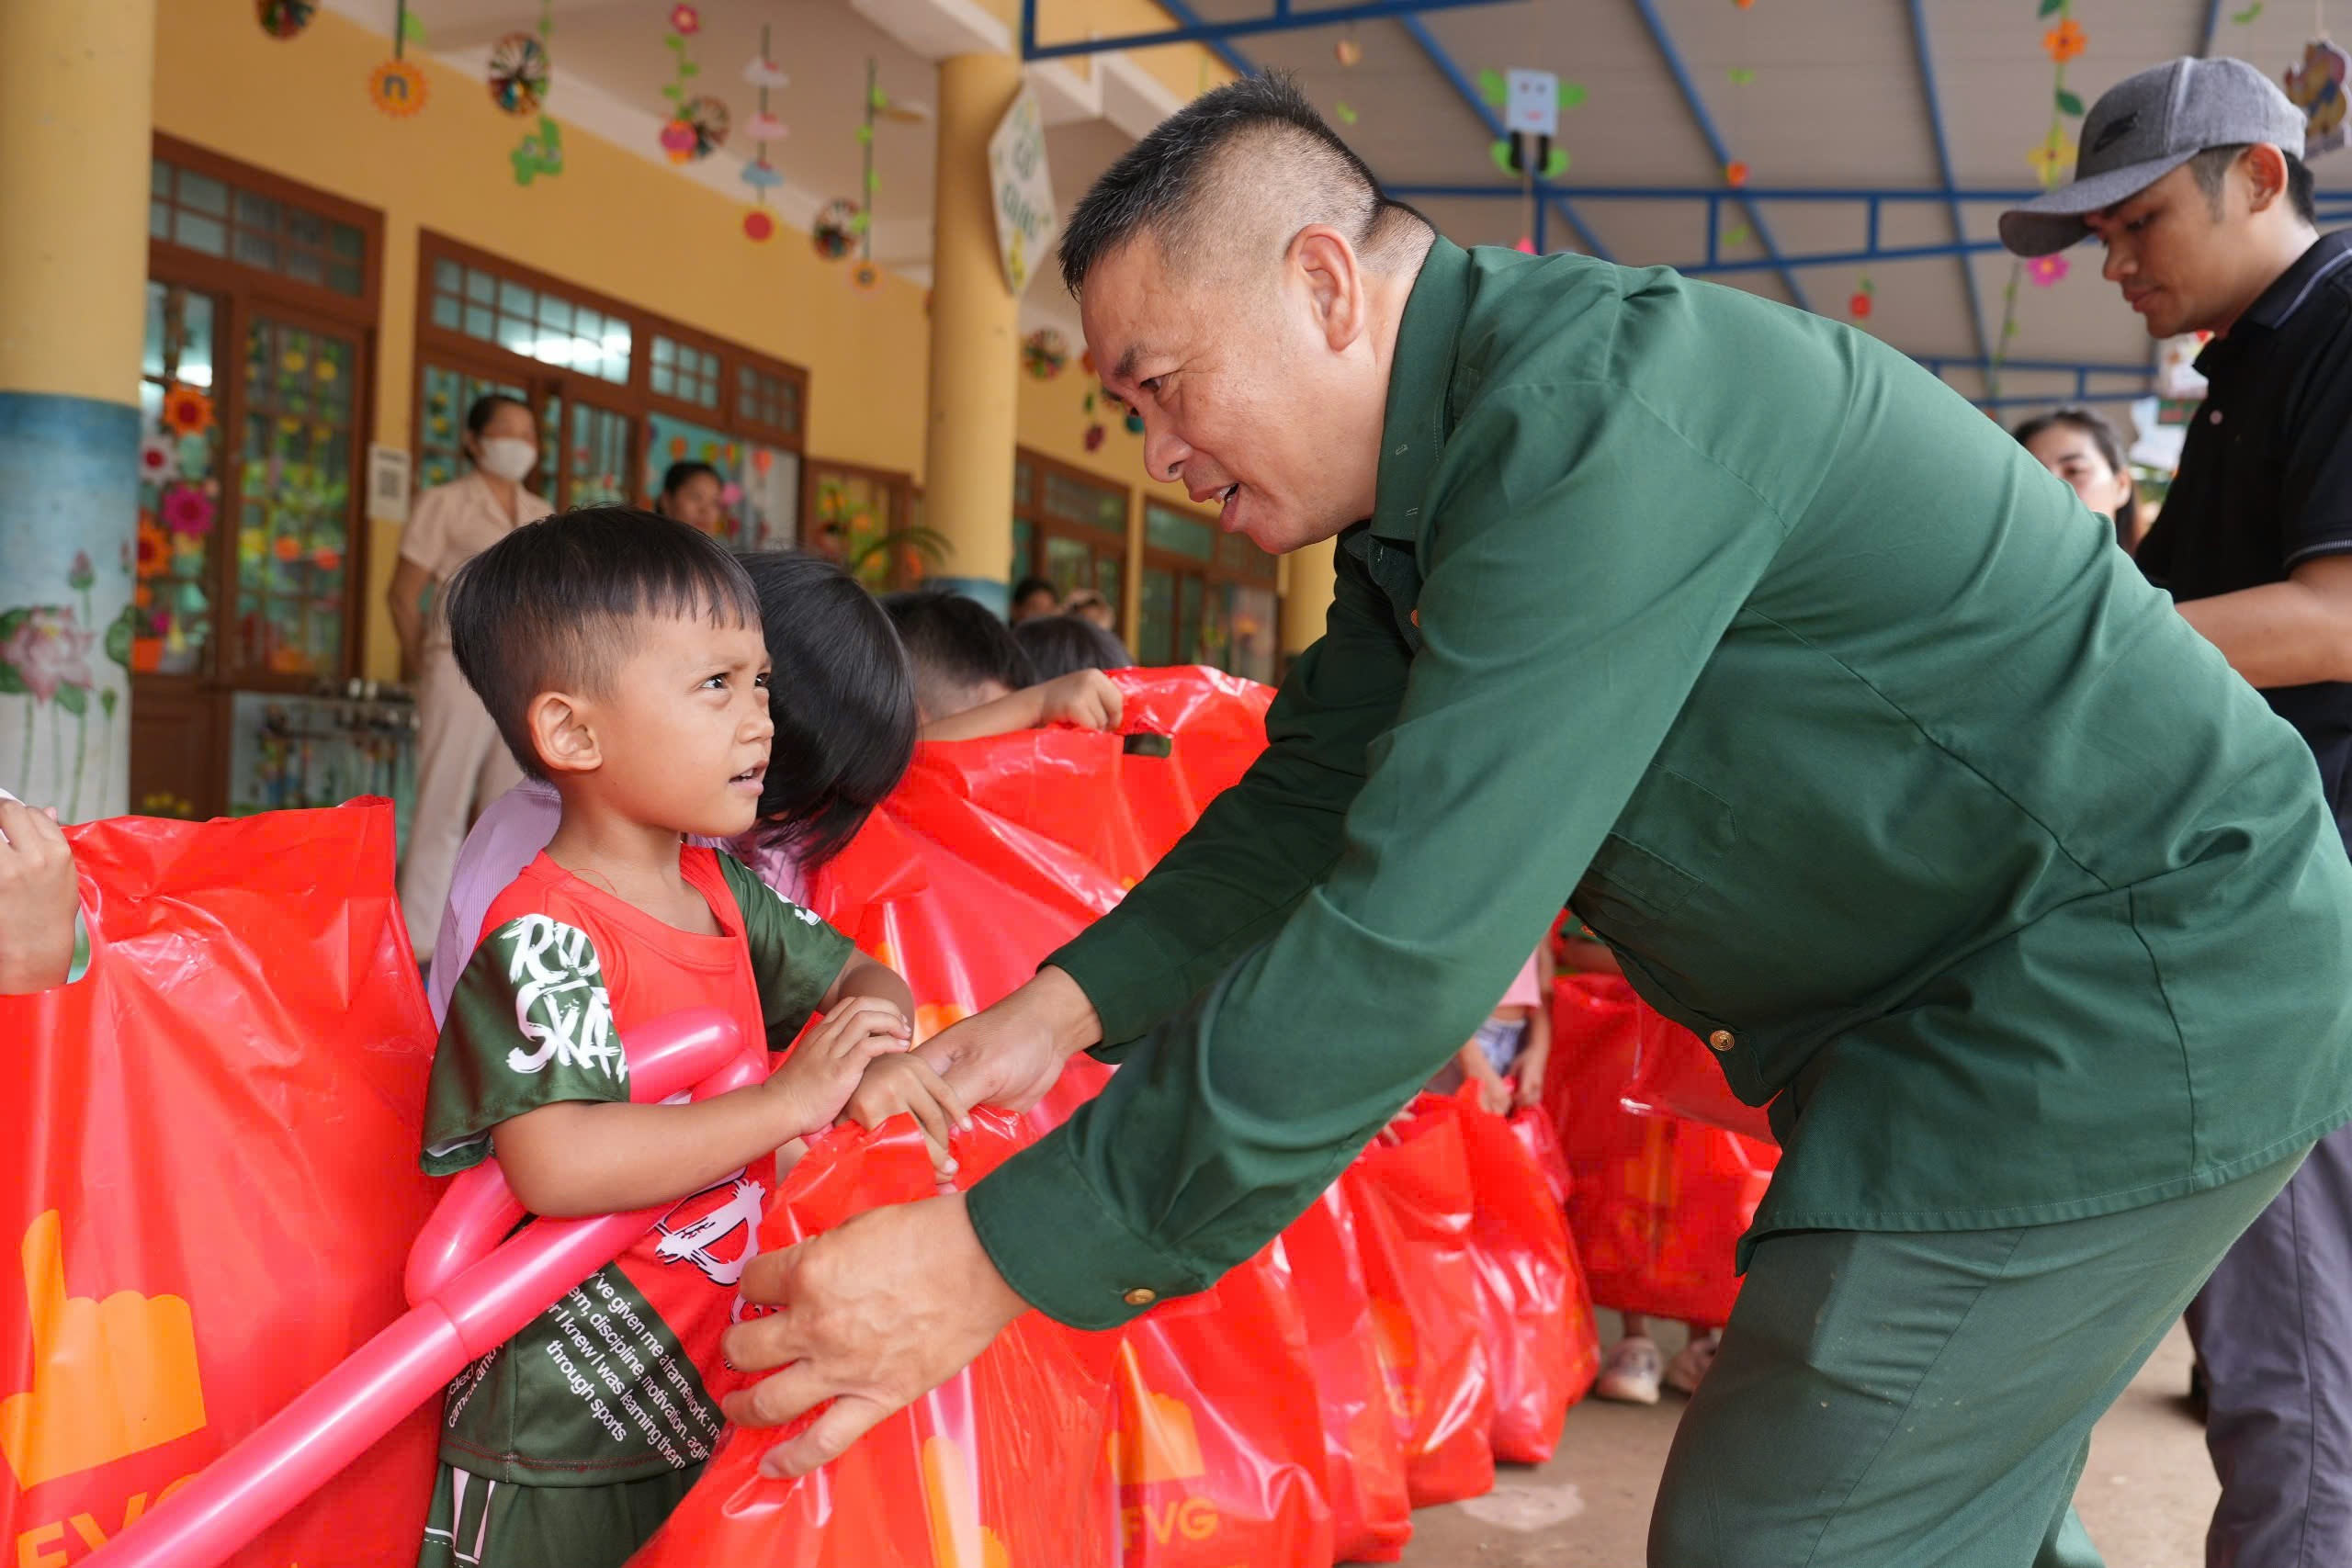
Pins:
<point x="478" y="1523"/>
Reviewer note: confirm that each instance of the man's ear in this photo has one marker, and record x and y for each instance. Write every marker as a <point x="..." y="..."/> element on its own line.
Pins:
<point x="563" y="733"/>
<point x="1334" y="279"/>
<point x="2264" y="169"/>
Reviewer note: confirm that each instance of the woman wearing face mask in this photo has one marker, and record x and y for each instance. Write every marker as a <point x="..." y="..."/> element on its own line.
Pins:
<point x="2081" y="448"/>
<point x="461" y="763"/>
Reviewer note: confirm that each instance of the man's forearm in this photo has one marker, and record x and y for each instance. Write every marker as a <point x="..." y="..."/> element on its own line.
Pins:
<point x="2280" y="634"/>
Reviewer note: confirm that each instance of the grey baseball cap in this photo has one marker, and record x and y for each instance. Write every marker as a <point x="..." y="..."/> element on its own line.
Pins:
<point x="2146" y="126"/>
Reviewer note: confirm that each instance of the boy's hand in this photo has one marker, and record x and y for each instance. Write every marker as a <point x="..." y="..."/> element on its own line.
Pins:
<point x="824" y="1069"/>
<point x="893" y="1084"/>
<point x="1530" y="1080"/>
<point x="1494" y="1096"/>
<point x="38" y="899"/>
<point x="1086" y="698"/>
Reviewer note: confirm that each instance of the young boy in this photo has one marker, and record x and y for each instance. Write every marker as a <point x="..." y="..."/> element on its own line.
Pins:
<point x="621" y="656"/>
<point x="972" y="679"/>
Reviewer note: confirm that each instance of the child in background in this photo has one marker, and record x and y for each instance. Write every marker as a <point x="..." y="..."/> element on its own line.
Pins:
<point x="972" y="679"/>
<point x="1505" y="1059"/>
<point x="621" y="655"/>
<point x="1063" y="644"/>
<point x="41" y="909"/>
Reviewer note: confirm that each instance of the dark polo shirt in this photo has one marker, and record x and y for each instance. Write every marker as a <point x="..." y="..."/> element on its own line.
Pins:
<point x="2265" y="474"/>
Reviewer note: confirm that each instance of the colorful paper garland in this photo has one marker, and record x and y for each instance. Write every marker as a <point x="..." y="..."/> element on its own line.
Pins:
<point x="518" y="73"/>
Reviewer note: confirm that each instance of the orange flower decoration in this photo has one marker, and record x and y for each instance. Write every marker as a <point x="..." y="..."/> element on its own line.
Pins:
<point x="2066" y="40"/>
<point x="1736" y="174"/>
<point x="286" y="547"/>
<point x="186" y="411"/>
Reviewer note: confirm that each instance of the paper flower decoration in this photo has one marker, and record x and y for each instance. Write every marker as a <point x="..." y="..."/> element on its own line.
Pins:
<point x="1094" y="434"/>
<point x="283" y="18"/>
<point x="698" y="132"/>
<point x="865" y="276"/>
<point x="764" y="72"/>
<point x="397" y="88"/>
<point x="685" y="20"/>
<point x="678" y="140"/>
<point x="2046" y="270"/>
<point x="2052" y="154"/>
<point x="285" y="546"/>
<point x="1526" y="245"/>
<point x="186" y="411"/>
<point x="1736" y="174"/>
<point x="1133" y="422"/>
<point x="760" y="174"/>
<point x="187" y="511"/>
<point x="159" y="460"/>
<point x="1044" y="354"/>
<point x="2066" y="40"/>
<point x="518" y="73"/>
<point x="759" y="225"/>
<point x="835" y="231"/>
<point x="730" y="494"/>
<point x="763" y="126"/>
<point x="153" y="546"/>
<point x="327" y="560"/>
<point x="1348" y="52"/>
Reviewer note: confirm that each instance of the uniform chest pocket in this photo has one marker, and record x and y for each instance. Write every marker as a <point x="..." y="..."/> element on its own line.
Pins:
<point x="1670" y="841"/>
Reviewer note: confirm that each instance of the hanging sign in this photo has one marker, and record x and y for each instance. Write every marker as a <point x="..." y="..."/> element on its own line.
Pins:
<point x="1023" y="191"/>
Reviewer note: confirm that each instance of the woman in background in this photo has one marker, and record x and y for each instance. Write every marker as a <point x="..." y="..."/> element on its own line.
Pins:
<point x="2081" y="448"/>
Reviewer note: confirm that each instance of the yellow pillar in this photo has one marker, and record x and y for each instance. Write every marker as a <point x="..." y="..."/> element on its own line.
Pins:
<point x="1306" y="595"/>
<point x="1131" y="575"/>
<point x="975" y="338"/>
<point x="77" y="83"/>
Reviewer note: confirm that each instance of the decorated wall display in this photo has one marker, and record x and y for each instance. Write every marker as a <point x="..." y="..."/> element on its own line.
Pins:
<point x="762" y="127"/>
<point x="518" y="73"/>
<point x="284" y="19"/>
<point x="2316" y="85"/>
<point x="1044" y="354"/>
<point x="540" y="152"/>
<point x="396" y="86"/>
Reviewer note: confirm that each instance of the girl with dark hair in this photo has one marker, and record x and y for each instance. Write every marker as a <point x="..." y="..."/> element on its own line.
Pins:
<point x="695" y="495"/>
<point x="2081" y="448"/>
<point x="461" y="765"/>
<point x="843" y="700"/>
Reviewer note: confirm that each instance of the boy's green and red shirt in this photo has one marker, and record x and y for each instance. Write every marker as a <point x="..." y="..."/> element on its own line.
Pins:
<point x="607" y="1385"/>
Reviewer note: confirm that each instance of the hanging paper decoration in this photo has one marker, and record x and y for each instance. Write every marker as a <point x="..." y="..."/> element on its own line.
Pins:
<point x="518" y="73"/>
<point x="1094" y="435"/>
<point x="541" y="151"/>
<point x="1738" y="234"/>
<point x="684" y="21"/>
<point x="186" y="411"/>
<point x="2062" y="39"/>
<point x="395" y="87"/>
<point x="283" y="18"/>
<point x="1530" y="102"/>
<point x="2317" y="87"/>
<point x="759" y="225"/>
<point x="187" y="511"/>
<point x="159" y="460"/>
<point x="2245" y="18"/>
<point x="1347" y="116"/>
<point x="1347" y="51"/>
<point x="1740" y="75"/>
<point x="762" y="128"/>
<point x="865" y="276"/>
<point x="1736" y="172"/>
<point x="1864" y="292"/>
<point x="2046" y="270"/>
<point x="837" y="228"/>
<point x="1133" y="422"/>
<point x="699" y="131"/>
<point x="1044" y="354"/>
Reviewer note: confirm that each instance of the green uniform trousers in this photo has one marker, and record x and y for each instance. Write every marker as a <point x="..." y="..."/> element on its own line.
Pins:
<point x="479" y="1523"/>
<point x="1924" y="1400"/>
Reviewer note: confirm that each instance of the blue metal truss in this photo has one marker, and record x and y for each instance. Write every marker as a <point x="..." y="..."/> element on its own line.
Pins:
<point x="2142" y="377"/>
<point x="1705" y="122"/>
<point x="1192" y="30"/>
<point x="1418" y="31"/>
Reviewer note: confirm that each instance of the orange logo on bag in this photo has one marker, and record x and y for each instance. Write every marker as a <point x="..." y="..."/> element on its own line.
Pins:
<point x="959" y="1540"/>
<point x="110" y="1377"/>
<point x="1156" y="1439"/>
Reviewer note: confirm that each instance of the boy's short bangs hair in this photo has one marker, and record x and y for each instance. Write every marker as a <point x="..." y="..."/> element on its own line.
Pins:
<point x="547" y="607"/>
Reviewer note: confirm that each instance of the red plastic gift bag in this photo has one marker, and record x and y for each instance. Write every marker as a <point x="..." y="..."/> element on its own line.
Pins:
<point x="1656" y="1203"/>
<point x="1542" y="1346"/>
<point x="1216" y="1453"/>
<point x="1676" y="1075"/>
<point x="1215" y="725"/>
<point x="210" y="1142"/>
<point x="1532" y="1127"/>
<point x="1411" y="1201"/>
<point x="994" y="1468"/>
<point x="1363" y="1445"/>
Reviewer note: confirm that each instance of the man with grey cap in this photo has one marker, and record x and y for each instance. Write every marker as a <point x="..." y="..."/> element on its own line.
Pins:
<point x="2189" y="175"/>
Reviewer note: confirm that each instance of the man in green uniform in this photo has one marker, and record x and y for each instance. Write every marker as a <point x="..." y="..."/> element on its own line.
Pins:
<point x="1836" y="716"/>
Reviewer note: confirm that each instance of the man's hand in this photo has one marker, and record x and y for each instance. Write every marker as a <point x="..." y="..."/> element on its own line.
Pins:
<point x="1086" y="698"/>
<point x="872" y="1315"/>
<point x="38" y="899"/>
<point x="1010" y="1054"/>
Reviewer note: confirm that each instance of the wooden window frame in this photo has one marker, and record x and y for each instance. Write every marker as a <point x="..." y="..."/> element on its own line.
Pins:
<point x="633" y="399"/>
<point x="898" y="483"/>
<point x="1211" y="573"/>
<point x="1044" y="524"/>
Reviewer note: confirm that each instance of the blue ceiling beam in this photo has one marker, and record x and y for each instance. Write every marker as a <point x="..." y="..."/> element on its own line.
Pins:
<point x="1705" y="122"/>
<point x="1418" y="31"/>
<point x="1781" y="263"/>
<point x="1192" y="29"/>
<point x="1943" y="163"/>
<point x="1494" y="191"/>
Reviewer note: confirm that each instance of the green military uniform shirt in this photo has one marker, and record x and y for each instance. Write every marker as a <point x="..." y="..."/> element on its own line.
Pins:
<point x="1839" y="720"/>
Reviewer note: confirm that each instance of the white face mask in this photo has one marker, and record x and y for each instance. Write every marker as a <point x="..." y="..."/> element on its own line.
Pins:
<point x="508" y="459"/>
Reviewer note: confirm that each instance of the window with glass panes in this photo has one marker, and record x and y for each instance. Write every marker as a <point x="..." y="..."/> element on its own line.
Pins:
<point x="1208" y="597"/>
<point x="620" y="394"/>
<point x="254" y="384"/>
<point x="861" y="518"/>
<point x="1069" y="527"/>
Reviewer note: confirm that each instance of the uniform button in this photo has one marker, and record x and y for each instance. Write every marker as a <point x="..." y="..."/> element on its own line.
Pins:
<point x="1141" y="1296"/>
<point x="1721" y="1040"/>
<point x="2213" y="418"/>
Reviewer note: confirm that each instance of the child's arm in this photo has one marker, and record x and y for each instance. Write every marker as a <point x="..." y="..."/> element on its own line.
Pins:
<point x="38" y="900"/>
<point x="1494" y="1094"/>
<point x="581" y="1156"/>
<point x="1086" y="698"/>
<point x="862" y="976"/>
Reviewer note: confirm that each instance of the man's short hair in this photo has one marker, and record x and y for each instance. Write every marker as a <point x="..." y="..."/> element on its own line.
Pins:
<point x="2212" y="165"/>
<point x="547" y="608"/>
<point x="1176" y="184"/>
<point x="957" y="646"/>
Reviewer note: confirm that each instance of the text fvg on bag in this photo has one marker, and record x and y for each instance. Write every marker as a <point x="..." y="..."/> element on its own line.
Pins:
<point x="209" y="1179"/>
